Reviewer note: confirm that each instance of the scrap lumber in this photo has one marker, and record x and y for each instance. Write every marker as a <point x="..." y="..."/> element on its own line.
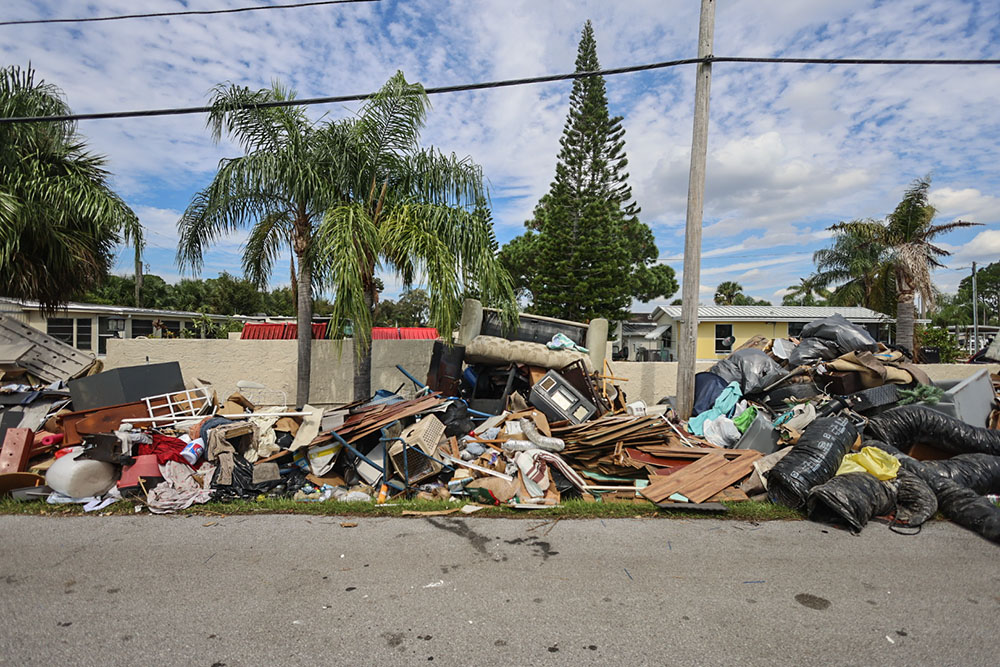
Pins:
<point x="704" y="478"/>
<point x="370" y="420"/>
<point x="664" y="487"/>
<point x="725" y="476"/>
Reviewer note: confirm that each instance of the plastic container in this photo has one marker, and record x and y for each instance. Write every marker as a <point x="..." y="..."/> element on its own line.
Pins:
<point x="193" y="452"/>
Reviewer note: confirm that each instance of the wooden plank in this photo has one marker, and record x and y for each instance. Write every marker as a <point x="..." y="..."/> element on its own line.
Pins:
<point x="661" y="490"/>
<point x="712" y="484"/>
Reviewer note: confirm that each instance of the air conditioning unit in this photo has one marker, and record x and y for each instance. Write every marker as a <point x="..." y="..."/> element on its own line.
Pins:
<point x="422" y="439"/>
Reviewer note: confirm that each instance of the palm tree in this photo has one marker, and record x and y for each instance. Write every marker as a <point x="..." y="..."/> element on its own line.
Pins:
<point x="807" y="292"/>
<point x="281" y="187"/>
<point x="727" y="293"/>
<point x="858" y="270"/>
<point x="409" y="210"/>
<point x="59" y="220"/>
<point x="906" y="235"/>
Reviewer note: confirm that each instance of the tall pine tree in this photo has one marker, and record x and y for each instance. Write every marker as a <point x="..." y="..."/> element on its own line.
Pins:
<point x="587" y="254"/>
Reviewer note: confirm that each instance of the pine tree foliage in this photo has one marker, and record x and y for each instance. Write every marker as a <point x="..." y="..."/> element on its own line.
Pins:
<point x="591" y="255"/>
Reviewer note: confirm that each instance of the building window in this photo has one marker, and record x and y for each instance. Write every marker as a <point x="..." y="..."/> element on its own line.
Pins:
<point x="142" y="328"/>
<point x="60" y="328"/>
<point x="83" y="333"/>
<point x="173" y="326"/>
<point x="723" y="338"/>
<point x="795" y="328"/>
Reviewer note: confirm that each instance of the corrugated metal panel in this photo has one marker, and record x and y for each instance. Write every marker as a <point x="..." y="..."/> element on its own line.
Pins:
<point x="777" y="313"/>
<point x="657" y="332"/>
<point x="404" y="333"/>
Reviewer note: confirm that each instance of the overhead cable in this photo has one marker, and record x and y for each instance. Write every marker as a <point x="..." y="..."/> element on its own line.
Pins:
<point x="505" y="83"/>
<point x="190" y="12"/>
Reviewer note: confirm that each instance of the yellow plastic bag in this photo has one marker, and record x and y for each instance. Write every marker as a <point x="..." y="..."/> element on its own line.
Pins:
<point x="871" y="460"/>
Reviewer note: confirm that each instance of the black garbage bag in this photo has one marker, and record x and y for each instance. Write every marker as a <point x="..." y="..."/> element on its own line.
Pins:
<point x="812" y="461"/>
<point x="748" y="367"/>
<point x="707" y="387"/>
<point x="242" y="482"/>
<point x="813" y="350"/>
<point x="915" y="499"/>
<point x="848" y="337"/>
<point x="907" y="425"/>
<point x="979" y="472"/>
<point x="851" y="499"/>
<point x="456" y="419"/>
<point x="966" y="507"/>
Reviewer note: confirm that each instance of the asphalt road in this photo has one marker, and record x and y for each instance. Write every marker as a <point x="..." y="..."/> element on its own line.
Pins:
<point x="297" y="590"/>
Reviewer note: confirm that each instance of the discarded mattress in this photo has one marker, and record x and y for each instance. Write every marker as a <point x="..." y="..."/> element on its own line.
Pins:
<point x="498" y="351"/>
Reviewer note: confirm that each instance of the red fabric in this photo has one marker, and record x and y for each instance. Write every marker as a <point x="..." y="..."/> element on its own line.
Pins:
<point x="165" y="448"/>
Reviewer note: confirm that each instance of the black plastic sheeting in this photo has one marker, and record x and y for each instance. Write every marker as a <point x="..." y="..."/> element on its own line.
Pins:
<point x="907" y="425"/>
<point x="748" y="367"/>
<point x="916" y="501"/>
<point x="847" y="336"/>
<point x="852" y="499"/>
<point x="828" y="338"/>
<point x="811" y="462"/>
<point x="813" y="350"/>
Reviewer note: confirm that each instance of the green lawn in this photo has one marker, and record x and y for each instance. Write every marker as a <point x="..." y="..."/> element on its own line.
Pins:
<point x="571" y="509"/>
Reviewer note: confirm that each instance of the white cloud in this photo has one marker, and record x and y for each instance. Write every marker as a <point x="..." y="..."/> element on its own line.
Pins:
<point x="792" y="149"/>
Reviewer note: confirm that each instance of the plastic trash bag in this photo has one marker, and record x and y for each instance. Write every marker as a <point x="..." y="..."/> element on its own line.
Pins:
<point x="872" y="460"/>
<point x="707" y="387"/>
<point x="852" y="499"/>
<point x="811" y="462"/>
<point x="813" y="350"/>
<point x="457" y="420"/>
<point x="242" y="481"/>
<point x="747" y="367"/>
<point x="979" y="472"/>
<point x="848" y="337"/>
<point x="906" y="425"/>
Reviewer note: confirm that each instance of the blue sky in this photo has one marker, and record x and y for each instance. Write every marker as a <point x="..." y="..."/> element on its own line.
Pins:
<point x="792" y="149"/>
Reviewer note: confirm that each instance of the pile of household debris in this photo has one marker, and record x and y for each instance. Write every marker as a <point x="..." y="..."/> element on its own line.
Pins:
<point x="832" y="423"/>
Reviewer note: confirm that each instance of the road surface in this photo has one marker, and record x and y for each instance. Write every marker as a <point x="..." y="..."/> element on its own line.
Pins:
<point x="300" y="590"/>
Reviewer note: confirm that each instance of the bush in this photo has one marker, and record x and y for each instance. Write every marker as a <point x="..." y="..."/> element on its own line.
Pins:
<point x="940" y="338"/>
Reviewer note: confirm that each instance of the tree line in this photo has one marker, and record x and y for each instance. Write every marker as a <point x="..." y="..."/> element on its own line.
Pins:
<point x="232" y="295"/>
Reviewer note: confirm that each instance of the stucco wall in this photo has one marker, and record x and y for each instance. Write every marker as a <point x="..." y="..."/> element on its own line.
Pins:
<point x="222" y="363"/>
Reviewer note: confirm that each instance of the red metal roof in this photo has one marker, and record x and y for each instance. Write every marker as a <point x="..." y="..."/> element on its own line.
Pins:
<point x="278" y="330"/>
<point x="404" y="333"/>
<point x="287" y="331"/>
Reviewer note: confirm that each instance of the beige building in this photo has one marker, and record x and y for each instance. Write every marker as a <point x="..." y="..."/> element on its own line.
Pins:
<point x="88" y="326"/>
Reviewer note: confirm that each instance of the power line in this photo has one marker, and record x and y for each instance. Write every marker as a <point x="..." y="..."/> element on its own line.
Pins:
<point x="505" y="83"/>
<point x="203" y="12"/>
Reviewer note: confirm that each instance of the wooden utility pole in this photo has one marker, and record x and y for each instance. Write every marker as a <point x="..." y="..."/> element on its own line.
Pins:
<point x="975" y="311"/>
<point x="687" y="345"/>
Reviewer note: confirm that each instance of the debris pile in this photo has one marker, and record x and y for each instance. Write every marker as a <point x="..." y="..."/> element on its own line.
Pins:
<point x="833" y="424"/>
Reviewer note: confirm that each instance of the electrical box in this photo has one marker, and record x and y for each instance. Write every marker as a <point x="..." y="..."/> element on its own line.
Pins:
<point x="559" y="400"/>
